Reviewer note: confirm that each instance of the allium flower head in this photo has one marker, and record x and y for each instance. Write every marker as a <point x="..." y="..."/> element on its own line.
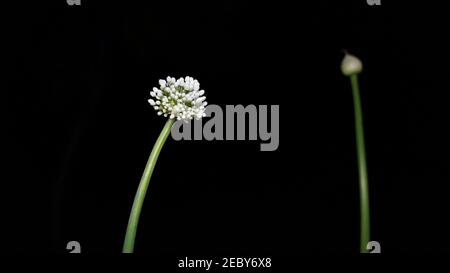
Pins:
<point x="179" y="99"/>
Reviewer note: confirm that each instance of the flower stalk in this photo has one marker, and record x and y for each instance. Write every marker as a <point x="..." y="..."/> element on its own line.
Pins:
<point x="128" y="246"/>
<point x="362" y="167"/>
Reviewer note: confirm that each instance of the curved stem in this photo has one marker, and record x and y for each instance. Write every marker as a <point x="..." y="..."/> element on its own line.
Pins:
<point x="128" y="246"/>
<point x="363" y="180"/>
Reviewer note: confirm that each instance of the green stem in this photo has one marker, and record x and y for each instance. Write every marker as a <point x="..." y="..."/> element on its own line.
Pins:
<point x="128" y="246"/>
<point x="363" y="181"/>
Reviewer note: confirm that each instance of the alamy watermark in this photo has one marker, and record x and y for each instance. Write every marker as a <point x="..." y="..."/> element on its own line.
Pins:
<point x="252" y="123"/>
<point x="74" y="2"/>
<point x="74" y="247"/>
<point x="374" y="2"/>
<point x="374" y="247"/>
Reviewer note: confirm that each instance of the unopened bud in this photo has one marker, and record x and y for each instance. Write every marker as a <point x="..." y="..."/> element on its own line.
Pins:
<point x="351" y="65"/>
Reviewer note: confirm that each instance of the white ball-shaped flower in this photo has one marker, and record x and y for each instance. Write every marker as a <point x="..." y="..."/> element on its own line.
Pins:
<point x="179" y="99"/>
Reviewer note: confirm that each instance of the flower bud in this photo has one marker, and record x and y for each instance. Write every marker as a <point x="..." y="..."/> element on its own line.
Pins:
<point x="351" y="65"/>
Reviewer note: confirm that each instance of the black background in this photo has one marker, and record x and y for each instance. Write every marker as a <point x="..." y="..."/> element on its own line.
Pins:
<point x="78" y="128"/>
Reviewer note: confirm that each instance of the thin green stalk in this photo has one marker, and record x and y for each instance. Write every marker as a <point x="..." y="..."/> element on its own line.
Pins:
<point x="362" y="166"/>
<point x="128" y="246"/>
